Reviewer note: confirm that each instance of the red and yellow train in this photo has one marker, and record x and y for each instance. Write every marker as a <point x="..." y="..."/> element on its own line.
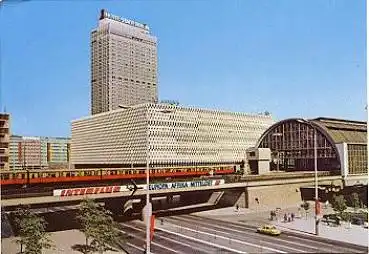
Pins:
<point x="80" y="175"/>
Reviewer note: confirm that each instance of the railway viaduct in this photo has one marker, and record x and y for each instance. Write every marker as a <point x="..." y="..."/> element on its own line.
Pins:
<point x="257" y="193"/>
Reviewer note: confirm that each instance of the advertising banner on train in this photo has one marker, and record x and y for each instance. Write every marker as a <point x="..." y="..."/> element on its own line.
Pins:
<point x="126" y="188"/>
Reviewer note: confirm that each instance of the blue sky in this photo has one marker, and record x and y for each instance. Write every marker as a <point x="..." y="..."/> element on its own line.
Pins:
<point x="292" y="58"/>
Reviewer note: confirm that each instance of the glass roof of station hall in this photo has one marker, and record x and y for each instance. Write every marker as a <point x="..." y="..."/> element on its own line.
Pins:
<point x="343" y="131"/>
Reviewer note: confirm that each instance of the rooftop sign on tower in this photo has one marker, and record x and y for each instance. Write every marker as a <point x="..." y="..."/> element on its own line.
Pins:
<point x="104" y="14"/>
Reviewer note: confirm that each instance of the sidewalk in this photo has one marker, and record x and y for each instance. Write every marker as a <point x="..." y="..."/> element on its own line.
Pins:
<point x="62" y="241"/>
<point x="356" y="234"/>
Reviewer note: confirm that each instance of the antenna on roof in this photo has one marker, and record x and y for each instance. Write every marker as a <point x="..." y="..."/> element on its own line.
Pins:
<point x="102" y="14"/>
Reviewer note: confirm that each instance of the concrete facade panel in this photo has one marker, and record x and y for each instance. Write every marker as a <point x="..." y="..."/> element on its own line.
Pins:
<point x="175" y="135"/>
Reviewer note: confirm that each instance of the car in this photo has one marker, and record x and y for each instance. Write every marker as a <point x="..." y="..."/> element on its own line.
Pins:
<point x="269" y="230"/>
<point x="332" y="219"/>
<point x="357" y="221"/>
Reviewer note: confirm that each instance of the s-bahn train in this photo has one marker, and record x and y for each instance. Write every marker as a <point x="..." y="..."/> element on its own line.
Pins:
<point x="79" y="175"/>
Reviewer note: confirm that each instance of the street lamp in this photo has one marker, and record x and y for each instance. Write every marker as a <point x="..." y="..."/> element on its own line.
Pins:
<point x="148" y="207"/>
<point x="316" y="184"/>
<point x="277" y="134"/>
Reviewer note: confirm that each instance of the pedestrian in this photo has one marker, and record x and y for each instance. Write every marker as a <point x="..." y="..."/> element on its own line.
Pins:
<point x="289" y="217"/>
<point x="272" y="215"/>
<point x="285" y="217"/>
<point x="292" y="216"/>
<point x="237" y="207"/>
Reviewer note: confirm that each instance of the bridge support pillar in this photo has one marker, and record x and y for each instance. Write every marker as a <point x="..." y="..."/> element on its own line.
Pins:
<point x="115" y="206"/>
<point x="169" y="199"/>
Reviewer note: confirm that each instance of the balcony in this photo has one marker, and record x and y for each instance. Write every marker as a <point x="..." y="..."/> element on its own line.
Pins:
<point x="4" y="145"/>
<point x="4" y="159"/>
<point x="4" y="130"/>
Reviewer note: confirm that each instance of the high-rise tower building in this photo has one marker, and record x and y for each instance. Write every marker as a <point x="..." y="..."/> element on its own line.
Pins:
<point x="123" y="64"/>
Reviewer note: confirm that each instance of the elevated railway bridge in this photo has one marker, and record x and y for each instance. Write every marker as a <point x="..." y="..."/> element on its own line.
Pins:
<point x="270" y="190"/>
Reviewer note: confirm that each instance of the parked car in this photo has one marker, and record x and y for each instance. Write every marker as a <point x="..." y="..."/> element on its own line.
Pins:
<point x="269" y="230"/>
<point x="332" y="219"/>
<point x="357" y="221"/>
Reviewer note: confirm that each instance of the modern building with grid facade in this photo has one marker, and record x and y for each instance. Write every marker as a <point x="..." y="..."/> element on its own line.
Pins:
<point x="341" y="145"/>
<point x="123" y="64"/>
<point x="168" y="135"/>
<point x="4" y="140"/>
<point x="38" y="152"/>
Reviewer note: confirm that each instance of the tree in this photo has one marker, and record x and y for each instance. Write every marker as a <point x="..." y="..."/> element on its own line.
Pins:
<point x="339" y="204"/>
<point x="31" y="231"/>
<point x="97" y="226"/>
<point x="355" y="201"/>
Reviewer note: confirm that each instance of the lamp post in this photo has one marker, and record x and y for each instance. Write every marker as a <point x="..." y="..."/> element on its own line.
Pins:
<point x="148" y="206"/>
<point x="316" y="184"/>
<point x="277" y="134"/>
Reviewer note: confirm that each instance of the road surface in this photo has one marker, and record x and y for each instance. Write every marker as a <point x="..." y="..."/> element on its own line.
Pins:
<point x="195" y="234"/>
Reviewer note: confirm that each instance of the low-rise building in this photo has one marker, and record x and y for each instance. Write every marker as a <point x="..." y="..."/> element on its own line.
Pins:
<point x="165" y="135"/>
<point x="38" y="153"/>
<point x="4" y="141"/>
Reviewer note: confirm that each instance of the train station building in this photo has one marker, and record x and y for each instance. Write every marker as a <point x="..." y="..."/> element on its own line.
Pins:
<point x="341" y="145"/>
<point x="164" y="134"/>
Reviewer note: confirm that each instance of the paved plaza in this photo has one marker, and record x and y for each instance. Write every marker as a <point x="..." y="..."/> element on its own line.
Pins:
<point x="62" y="241"/>
<point x="304" y="224"/>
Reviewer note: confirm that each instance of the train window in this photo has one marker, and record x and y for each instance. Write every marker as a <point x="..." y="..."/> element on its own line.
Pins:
<point x="5" y="176"/>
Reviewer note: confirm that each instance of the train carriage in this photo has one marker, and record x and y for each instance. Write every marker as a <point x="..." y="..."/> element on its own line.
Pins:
<point x="23" y="177"/>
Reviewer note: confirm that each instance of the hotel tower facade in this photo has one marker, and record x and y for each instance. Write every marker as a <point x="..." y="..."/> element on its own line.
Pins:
<point x="123" y="64"/>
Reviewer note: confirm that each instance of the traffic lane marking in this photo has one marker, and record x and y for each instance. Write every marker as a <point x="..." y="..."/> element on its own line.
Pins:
<point x="136" y="247"/>
<point x="182" y="243"/>
<point x="134" y="236"/>
<point x="280" y="238"/>
<point x="246" y="226"/>
<point x="168" y="239"/>
<point x="227" y="238"/>
<point x="202" y="241"/>
<point x="255" y="236"/>
<point x="343" y="249"/>
<point x="152" y="242"/>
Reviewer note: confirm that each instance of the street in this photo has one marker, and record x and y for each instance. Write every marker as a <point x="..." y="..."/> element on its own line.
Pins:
<point x="195" y="234"/>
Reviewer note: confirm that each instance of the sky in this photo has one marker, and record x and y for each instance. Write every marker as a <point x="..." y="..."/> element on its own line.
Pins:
<point x="292" y="58"/>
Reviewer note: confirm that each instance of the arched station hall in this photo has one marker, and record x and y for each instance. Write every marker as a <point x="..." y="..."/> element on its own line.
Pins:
<point x="341" y="145"/>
